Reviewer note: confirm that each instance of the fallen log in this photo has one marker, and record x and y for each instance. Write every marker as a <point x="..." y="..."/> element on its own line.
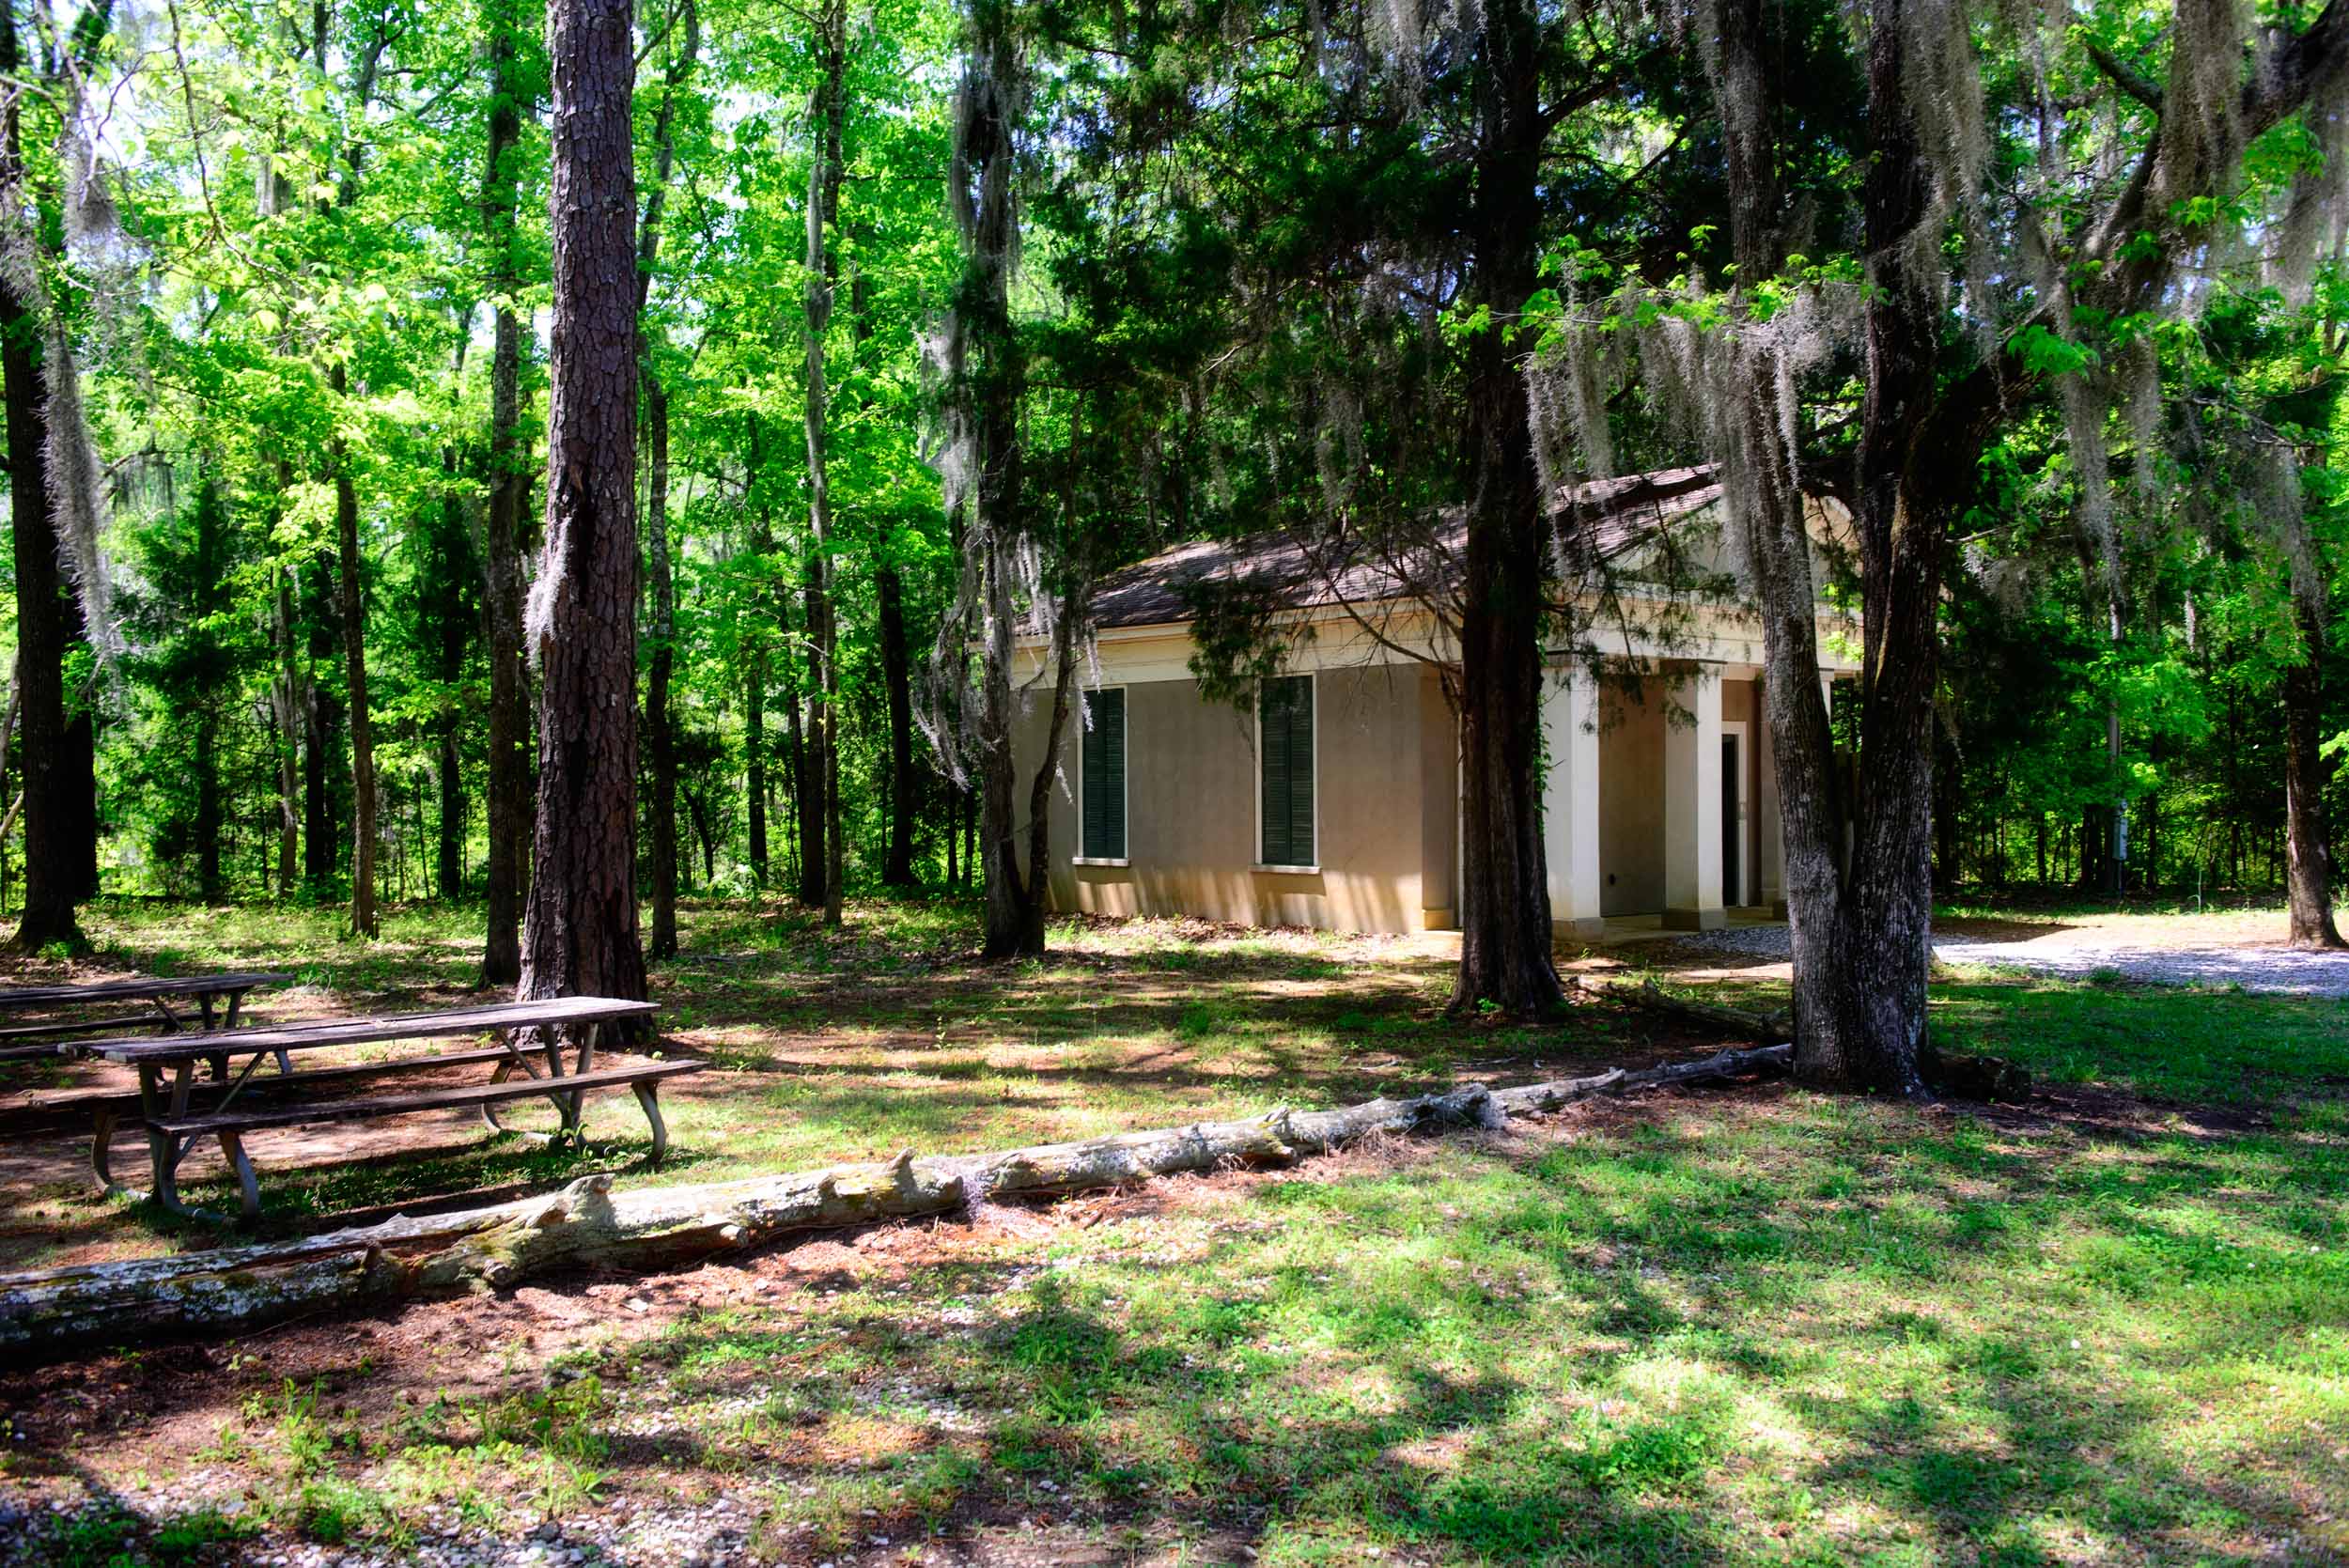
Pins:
<point x="52" y="1310"/>
<point x="1775" y="1027"/>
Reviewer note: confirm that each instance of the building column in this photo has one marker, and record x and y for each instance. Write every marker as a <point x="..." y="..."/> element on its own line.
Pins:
<point x="1692" y="805"/>
<point x="1570" y="801"/>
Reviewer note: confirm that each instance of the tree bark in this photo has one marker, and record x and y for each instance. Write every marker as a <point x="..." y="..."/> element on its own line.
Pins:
<point x="659" y="728"/>
<point x="56" y="780"/>
<point x="287" y="703"/>
<point x="823" y="202"/>
<point x="351" y="593"/>
<point x="2308" y="837"/>
<point x="990" y="373"/>
<point x="450" y="625"/>
<point x="44" y="630"/>
<point x="1505" y="935"/>
<point x="658" y="737"/>
<point x="898" y="674"/>
<point x="321" y="717"/>
<point x="502" y="564"/>
<point x="580" y="934"/>
<point x="807" y="778"/>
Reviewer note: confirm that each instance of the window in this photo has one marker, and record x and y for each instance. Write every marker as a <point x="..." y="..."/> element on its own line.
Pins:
<point x="1101" y="776"/>
<point x="1284" y="745"/>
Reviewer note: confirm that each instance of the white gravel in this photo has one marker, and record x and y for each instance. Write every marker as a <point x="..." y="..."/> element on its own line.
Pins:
<point x="2283" y="969"/>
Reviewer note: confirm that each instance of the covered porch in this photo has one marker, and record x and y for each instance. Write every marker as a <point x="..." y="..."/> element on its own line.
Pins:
<point x="1659" y="802"/>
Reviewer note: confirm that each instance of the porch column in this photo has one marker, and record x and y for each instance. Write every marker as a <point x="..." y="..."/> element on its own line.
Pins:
<point x="1692" y="805"/>
<point x="1570" y="801"/>
<point x="1770" y="828"/>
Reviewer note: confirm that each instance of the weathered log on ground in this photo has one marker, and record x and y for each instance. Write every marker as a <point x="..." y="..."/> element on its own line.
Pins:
<point x="1762" y="1026"/>
<point x="52" y="1310"/>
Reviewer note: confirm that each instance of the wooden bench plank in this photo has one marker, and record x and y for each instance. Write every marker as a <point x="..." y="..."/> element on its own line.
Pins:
<point x="51" y="1029"/>
<point x="104" y="990"/>
<point x="552" y="1012"/>
<point x="429" y="1099"/>
<point x="26" y="1115"/>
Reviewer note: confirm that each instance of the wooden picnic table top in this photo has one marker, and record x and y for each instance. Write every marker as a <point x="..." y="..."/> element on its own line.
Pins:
<point x="550" y="1011"/>
<point x="107" y="990"/>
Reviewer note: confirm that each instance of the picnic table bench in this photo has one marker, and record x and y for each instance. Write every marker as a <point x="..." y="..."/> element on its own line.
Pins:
<point x="174" y="1122"/>
<point x="218" y="998"/>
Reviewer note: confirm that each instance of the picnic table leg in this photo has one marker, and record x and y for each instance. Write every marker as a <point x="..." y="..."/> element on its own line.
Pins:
<point x="249" y="1189"/>
<point x="102" y="1137"/>
<point x="578" y="1103"/>
<point x="162" y="1149"/>
<point x="648" y="1096"/>
<point x="236" y="1005"/>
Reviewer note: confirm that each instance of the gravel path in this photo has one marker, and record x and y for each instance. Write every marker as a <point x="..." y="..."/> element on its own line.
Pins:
<point x="2283" y="969"/>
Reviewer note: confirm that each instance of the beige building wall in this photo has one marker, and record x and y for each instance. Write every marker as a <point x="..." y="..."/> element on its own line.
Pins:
<point x="1191" y="807"/>
<point x="1631" y="800"/>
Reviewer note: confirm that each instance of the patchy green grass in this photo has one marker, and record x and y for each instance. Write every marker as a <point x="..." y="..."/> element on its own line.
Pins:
<point x="1738" y="1327"/>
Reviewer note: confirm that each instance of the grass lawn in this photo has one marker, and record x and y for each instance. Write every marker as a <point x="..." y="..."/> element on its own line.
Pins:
<point x="1729" y="1326"/>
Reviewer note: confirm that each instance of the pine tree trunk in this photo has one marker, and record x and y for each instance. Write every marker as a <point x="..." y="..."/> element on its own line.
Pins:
<point x="1505" y="951"/>
<point x="449" y="669"/>
<point x="823" y="204"/>
<point x="508" y="798"/>
<point x="2307" y="838"/>
<point x="581" y="933"/>
<point x="658" y="726"/>
<point x="286" y="702"/>
<point x="351" y="591"/>
<point x="658" y="737"/>
<point x="55" y="779"/>
<point x="754" y="755"/>
<point x="53" y="875"/>
<point x="898" y="674"/>
<point x="807" y="785"/>
<point x="321" y="719"/>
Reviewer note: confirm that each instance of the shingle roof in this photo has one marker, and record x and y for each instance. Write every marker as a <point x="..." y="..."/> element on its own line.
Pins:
<point x="1296" y="572"/>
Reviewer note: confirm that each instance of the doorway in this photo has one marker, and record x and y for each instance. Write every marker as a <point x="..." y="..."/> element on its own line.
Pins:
<point x="1734" y="815"/>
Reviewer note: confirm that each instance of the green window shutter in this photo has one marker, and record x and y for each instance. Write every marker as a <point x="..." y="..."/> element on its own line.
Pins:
<point x="1104" y="776"/>
<point x="1285" y="735"/>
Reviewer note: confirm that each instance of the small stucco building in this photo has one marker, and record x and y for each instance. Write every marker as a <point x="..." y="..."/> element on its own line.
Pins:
<point x="1333" y="799"/>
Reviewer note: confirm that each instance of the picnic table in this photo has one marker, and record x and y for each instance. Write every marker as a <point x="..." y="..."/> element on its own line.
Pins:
<point x="218" y="998"/>
<point x="167" y="1085"/>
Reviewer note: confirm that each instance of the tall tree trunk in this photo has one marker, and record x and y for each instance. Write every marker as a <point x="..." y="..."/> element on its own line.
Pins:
<point x="823" y="205"/>
<point x="449" y="647"/>
<point x="351" y="585"/>
<point x="352" y="597"/>
<point x="990" y="377"/>
<point x="2308" y="837"/>
<point x="322" y="719"/>
<point x="1858" y="986"/>
<point x="56" y="779"/>
<point x="580" y="935"/>
<point x="898" y="674"/>
<point x="659" y="734"/>
<point x="807" y="782"/>
<point x="211" y="603"/>
<point x="1506" y="957"/>
<point x="286" y="706"/>
<point x="659" y="737"/>
<point x="44" y="622"/>
<point x="755" y="758"/>
<point x="509" y="705"/>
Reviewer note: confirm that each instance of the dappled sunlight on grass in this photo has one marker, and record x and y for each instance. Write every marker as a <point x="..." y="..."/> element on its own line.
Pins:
<point x="1754" y="1326"/>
